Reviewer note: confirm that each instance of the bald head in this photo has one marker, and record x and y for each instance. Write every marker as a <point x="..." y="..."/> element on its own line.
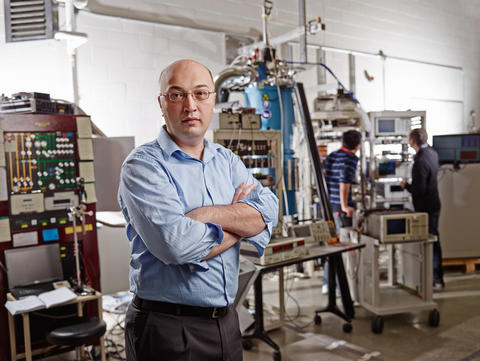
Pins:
<point x="179" y="66"/>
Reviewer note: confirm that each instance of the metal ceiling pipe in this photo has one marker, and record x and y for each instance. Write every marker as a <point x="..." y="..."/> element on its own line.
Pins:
<point x="264" y="22"/>
<point x="224" y="75"/>
<point x="302" y="21"/>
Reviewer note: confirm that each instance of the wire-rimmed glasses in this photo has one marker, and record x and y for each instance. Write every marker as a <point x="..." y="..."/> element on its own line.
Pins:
<point x="180" y="95"/>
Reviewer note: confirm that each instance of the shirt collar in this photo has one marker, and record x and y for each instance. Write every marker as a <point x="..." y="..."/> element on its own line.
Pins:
<point x="346" y="150"/>
<point x="169" y="146"/>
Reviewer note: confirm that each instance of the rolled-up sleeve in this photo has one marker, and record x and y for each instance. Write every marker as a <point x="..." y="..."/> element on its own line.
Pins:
<point x="264" y="201"/>
<point x="151" y="204"/>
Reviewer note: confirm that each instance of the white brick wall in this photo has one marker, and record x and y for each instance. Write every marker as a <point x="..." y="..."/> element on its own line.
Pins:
<point x="119" y="66"/>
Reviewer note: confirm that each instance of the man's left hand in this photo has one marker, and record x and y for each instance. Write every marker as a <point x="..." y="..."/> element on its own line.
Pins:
<point x="403" y="184"/>
<point x="202" y="214"/>
<point x="242" y="192"/>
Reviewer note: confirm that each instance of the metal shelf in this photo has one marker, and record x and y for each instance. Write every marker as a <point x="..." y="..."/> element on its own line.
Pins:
<point x="332" y="115"/>
<point x="388" y="298"/>
<point x="393" y="301"/>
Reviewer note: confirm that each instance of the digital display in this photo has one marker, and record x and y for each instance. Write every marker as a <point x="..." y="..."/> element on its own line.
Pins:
<point x="62" y="201"/>
<point x="457" y="148"/>
<point x="31" y="265"/>
<point x="302" y="231"/>
<point x="396" y="188"/>
<point x="277" y="249"/>
<point x="468" y="155"/>
<point x="386" y="125"/>
<point x="331" y="228"/>
<point x="470" y="141"/>
<point x="386" y="168"/>
<point x="396" y="226"/>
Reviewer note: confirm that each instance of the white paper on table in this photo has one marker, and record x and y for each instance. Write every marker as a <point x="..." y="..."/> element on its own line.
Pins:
<point x="27" y="304"/>
<point x="44" y="300"/>
<point x="56" y="297"/>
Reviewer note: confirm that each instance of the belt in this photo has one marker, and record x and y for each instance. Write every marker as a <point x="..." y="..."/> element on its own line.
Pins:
<point x="180" y="310"/>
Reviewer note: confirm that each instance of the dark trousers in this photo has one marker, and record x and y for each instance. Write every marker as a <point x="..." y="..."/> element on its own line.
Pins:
<point x="437" y="249"/>
<point x="154" y="336"/>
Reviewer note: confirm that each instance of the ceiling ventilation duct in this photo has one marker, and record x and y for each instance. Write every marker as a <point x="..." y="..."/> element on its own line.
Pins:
<point x="30" y="20"/>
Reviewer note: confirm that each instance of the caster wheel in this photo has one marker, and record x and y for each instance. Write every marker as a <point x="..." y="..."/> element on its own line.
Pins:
<point x="377" y="324"/>
<point x="247" y="345"/>
<point x="277" y="356"/>
<point x="318" y="320"/>
<point x="434" y="318"/>
<point x="347" y="327"/>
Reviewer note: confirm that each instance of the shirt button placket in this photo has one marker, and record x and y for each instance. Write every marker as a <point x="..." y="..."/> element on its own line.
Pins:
<point x="207" y="186"/>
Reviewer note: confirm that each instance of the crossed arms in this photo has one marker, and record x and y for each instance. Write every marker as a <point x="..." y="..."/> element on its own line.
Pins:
<point x="153" y="204"/>
<point x="237" y="220"/>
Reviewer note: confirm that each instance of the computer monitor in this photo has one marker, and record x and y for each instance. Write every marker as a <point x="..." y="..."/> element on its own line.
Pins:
<point x="386" y="168"/>
<point x="392" y="126"/>
<point x="457" y="148"/>
<point x="32" y="265"/>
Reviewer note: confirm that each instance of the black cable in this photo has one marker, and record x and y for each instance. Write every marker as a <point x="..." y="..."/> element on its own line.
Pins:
<point x="117" y="348"/>
<point x="331" y="72"/>
<point x="299" y="309"/>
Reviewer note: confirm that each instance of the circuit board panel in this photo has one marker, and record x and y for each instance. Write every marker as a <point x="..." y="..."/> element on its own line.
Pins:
<point x="41" y="162"/>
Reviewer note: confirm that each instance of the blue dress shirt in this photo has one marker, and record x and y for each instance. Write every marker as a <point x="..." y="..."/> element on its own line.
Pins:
<point x="159" y="184"/>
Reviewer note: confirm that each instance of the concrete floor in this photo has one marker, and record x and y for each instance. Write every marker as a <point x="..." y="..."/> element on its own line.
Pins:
<point x="406" y="337"/>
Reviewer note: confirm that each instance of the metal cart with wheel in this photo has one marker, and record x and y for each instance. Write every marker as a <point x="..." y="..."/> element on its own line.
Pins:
<point x="410" y="280"/>
<point x="336" y="270"/>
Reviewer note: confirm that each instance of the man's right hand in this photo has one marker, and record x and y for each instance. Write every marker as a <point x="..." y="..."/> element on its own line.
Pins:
<point x="348" y="211"/>
<point x="229" y="240"/>
<point x="242" y="192"/>
<point x="237" y="218"/>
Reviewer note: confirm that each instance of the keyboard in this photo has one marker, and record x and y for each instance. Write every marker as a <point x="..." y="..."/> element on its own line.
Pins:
<point x="32" y="290"/>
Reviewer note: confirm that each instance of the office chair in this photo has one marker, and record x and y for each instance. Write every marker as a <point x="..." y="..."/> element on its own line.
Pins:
<point x="78" y="332"/>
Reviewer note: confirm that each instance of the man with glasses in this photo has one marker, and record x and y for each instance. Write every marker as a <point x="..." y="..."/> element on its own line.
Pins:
<point x="187" y="202"/>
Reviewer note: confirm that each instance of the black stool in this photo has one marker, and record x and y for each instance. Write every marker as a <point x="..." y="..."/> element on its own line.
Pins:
<point x="78" y="332"/>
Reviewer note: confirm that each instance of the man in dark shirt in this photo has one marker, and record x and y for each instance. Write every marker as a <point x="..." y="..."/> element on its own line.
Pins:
<point x="340" y="168"/>
<point x="424" y="192"/>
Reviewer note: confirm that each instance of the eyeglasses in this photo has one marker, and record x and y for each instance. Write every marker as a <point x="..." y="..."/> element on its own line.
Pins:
<point x="180" y="96"/>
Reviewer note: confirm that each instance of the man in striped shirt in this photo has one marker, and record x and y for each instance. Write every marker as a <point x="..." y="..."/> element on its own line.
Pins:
<point x="340" y="167"/>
